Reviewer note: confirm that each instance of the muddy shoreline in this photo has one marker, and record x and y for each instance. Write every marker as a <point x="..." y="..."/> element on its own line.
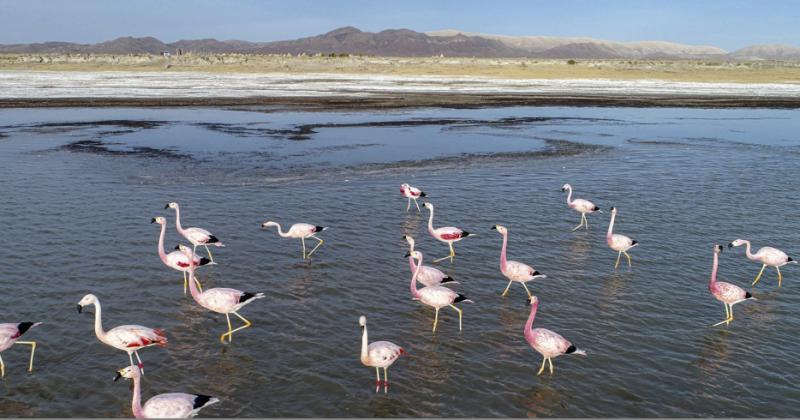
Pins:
<point x="436" y="100"/>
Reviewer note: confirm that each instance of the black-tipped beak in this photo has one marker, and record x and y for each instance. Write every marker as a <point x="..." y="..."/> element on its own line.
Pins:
<point x="408" y="254"/>
<point x="730" y="245"/>
<point x="166" y="206"/>
<point x="177" y="247"/>
<point x="116" y="378"/>
<point x="80" y="308"/>
<point x="494" y="227"/>
<point x="563" y="190"/>
<point x="153" y="220"/>
<point x="405" y="236"/>
<point x="362" y="329"/>
<point x="528" y="301"/>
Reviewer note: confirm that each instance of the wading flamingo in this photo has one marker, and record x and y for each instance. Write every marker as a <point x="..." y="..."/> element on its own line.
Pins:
<point x="175" y="405"/>
<point x="412" y="194"/>
<point x="128" y="338"/>
<point x="194" y="235"/>
<point x="380" y="354"/>
<point x="617" y="242"/>
<point x="9" y="335"/>
<point x="435" y="296"/>
<point x="548" y="343"/>
<point x="581" y="206"/>
<point x="223" y="301"/>
<point x="767" y="256"/>
<point x="299" y="230"/>
<point x="176" y="259"/>
<point x="515" y="271"/>
<point x="447" y="234"/>
<point x="429" y="276"/>
<point x="724" y="292"/>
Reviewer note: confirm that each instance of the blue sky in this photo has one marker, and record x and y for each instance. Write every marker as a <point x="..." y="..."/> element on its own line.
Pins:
<point x="727" y="24"/>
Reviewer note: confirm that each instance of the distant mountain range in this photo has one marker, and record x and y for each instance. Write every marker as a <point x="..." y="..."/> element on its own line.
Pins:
<point x="407" y="43"/>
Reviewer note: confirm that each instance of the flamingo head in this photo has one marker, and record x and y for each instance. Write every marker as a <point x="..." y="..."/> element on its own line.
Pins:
<point x="185" y="249"/>
<point x="428" y="206"/>
<point x="266" y="225"/>
<point x="89" y="299"/>
<point x="738" y="242"/>
<point x="128" y="372"/>
<point x="410" y="240"/>
<point x="613" y="210"/>
<point x="171" y="206"/>
<point x="415" y="254"/>
<point x="405" y="186"/>
<point x="500" y="228"/>
<point x="160" y="220"/>
<point x="718" y="249"/>
<point x="362" y="320"/>
<point x="566" y="187"/>
<point x="533" y="300"/>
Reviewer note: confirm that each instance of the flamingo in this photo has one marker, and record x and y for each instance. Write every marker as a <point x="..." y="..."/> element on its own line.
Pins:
<point x="176" y="259"/>
<point x="724" y="292"/>
<point x="768" y="256"/>
<point x="429" y="276"/>
<point x="617" y="242"/>
<point x="435" y="296"/>
<point x="513" y="270"/>
<point x="299" y="230"/>
<point x="128" y="338"/>
<point x="222" y="301"/>
<point x="9" y="335"/>
<point x="380" y="354"/>
<point x="175" y="405"/>
<point x="412" y="194"/>
<point x="447" y="234"/>
<point x="548" y="343"/>
<point x="581" y="206"/>
<point x="194" y="235"/>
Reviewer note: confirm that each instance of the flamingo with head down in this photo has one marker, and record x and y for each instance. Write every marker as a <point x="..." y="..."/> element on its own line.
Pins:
<point x="447" y="234"/>
<point x="767" y="256"/>
<point x="177" y="260"/>
<point x="412" y="194"/>
<point x="301" y="231"/>
<point x="429" y="276"/>
<point x="728" y="294"/>
<point x="580" y="205"/>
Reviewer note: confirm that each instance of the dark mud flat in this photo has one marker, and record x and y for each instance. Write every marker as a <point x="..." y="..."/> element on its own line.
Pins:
<point x="452" y="101"/>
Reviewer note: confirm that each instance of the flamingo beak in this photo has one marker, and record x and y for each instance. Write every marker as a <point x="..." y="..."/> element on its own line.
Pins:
<point x="730" y="245"/>
<point x="116" y="378"/>
<point x="528" y="300"/>
<point x="80" y="308"/>
<point x="494" y="227"/>
<point x="408" y="254"/>
<point x="177" y="247"/>
<point x="563" y="190"/>
<point x="166" y="206"/>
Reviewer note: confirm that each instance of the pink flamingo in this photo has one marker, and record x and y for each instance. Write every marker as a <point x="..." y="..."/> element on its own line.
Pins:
<point x="9" y="335"/>
<point x="617" y="242"/>
<point x="447" y="234"/>
<point x="301" y="231"/>
<point x="128" y="338"/>
<point x="412" y="194"/>
<point x="380" y="354"/>
<point x="222" y="301"/>
<point x="581" y="206"/>
<point x="724" y="292"/>
<point x="429" y="276"/>
<point x="513" y="270"/>
<point x="195" y="235"/>
<point x="177" y="260"/>
<point x="768" y="256"/>
<point x="548" y="343"/>
<point x="435" y="296"/>
<point x="175" y="405"/>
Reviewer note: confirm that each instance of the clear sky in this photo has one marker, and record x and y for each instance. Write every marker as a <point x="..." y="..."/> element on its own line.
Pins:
<point x="729" y="24"/>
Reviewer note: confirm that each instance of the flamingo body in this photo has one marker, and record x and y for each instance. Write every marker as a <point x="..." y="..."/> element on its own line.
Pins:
<point x="300" y="231"/>
<point x="174" y="405"/>
<point x="767" y="256"/>
<point x="429" y="276"/>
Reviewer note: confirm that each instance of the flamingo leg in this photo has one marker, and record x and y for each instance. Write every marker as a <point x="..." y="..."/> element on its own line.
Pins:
<point x="141" y="365"/>
<point x="408" y="207"/>
<point x="2" y="368"/>
<point x="385" y="381"/>
<point x="199" y="286"/>
<point x="222" y="337"/>
<point x="727" y="317"/>
<point x="318" y="245"/>
<point x="452" y="254"/>
<point x="544" y="360"/>
<point x="435" y="319"/>
<point x="507" y="287"/>
<point x="417" y="204"/>
<point x="460" y="312"/>
<point x="526" y="289"/>
<point x="629" y="259"/>
<point x="780" y="278"/>
<point x="619" y="254"/>
<point x="758" y="277"/>
<point x="730" y="318"/>
<point x="130" y="356"/>
<point x="185" y="283"/>
<point x="579" y="225"/>
<point x="377" y="379"/>
<point x="210" y="257"/>
<point x="33" y="350"/>
<point x="303" y="240"/>
<point x="550" y="361"/>
<point x="247" y="324"/>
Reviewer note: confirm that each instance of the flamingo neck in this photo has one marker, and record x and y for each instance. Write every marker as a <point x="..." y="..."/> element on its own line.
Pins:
<point x="192" y="286"/>
<point x="414" y="291"/>
<point x="136" y="403"/>
<point x="503" y="252"/>
<point x="529" y="324"/>
<point x="747" y="250"/>
<point x="364" y="347"/>
<point x="412" y="263"/>
<point x="431" y="230"/>
<point x="280" y="231"/>
<point x="161" y="253"/>
<point x="98" y="322"/>
<point x="714" y="270"/>
<point x="611" y="226"/>
<point x="569" y="196"/>
<point x="178" y="219"/>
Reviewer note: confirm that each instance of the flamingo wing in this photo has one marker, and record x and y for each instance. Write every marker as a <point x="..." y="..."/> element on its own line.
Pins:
<point x="384" y="353"/>
<point x="8" y="334"/>
<point x="549" y="343"/>
<point x="415" y="192"/>
<point x="449" y="233"/>
<point x="430" y="276"/>
<point x="135" y="336"/>
<point x="519" y="271"/>
<point x="220" y="299"/>
<point x="197" y="236"/>
<point x="584" y="206"/>
<point x="174" y="405"/>
<point x="178" y="260"/>
<point x="728" y="293"/>
<point x="621" y="242"/>
<point x="437" y="296"/>
<point x="772" y="256"/>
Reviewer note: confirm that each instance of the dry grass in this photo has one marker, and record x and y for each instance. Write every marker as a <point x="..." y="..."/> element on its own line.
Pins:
<point x="674" y="70"/>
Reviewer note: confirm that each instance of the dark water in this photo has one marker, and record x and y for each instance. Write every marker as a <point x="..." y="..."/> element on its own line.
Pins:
<point x="79" y="187"/>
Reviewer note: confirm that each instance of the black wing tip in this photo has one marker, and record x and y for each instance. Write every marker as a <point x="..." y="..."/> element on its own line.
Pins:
<point x="422" y="194"/>
<point x="748" y="295"/>
<point x="319" y="228"/>
<point x="212" y="239"/>
<point x="464" y="234"/>
<point x="448" y="279"/>
<point x="246" y="296"/>
<point x="790" y="259"/>
<point x="204" y="261"/>
<point x="200" y="401"/>
<point x="596" y="208"/>
<point x="571" y="349"/>
<point x="23" y="327"/>
<point x="460" y="298"/>
<point x="633" y="242"/>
